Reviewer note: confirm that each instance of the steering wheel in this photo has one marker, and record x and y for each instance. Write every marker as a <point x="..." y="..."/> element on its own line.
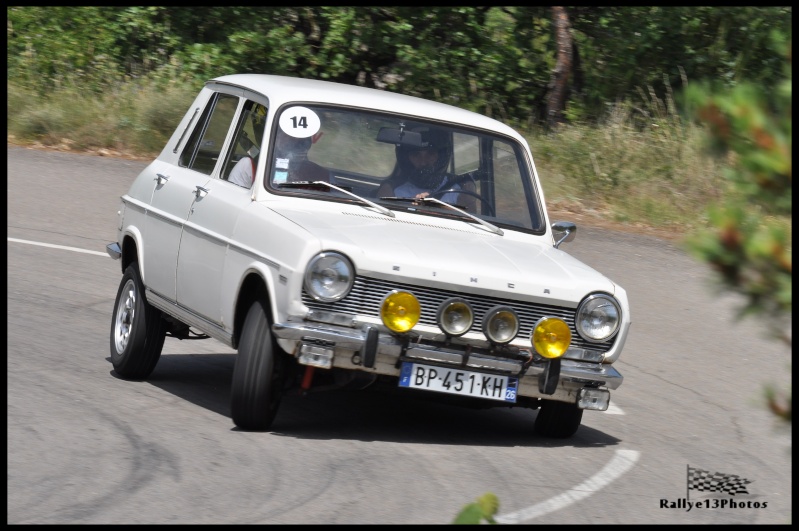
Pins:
<point x="463" y="178"/>
<point x="488" y="208"/>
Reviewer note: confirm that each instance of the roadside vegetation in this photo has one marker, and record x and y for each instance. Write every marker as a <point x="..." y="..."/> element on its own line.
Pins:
<point x="640" y="164"/>
<point x="748" y="238"/>
<point x="597" y="93"/>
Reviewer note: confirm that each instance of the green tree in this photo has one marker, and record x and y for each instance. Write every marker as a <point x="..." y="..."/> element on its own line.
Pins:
<point x="748" y="241"/>
<point x="625" y="48"/>
<point x="51" y="47"/>
<point x="498" y="61"/>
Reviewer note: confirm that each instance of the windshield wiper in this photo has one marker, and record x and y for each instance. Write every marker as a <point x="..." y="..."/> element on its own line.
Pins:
<point x="304" y="184"/>
<point x="484" y="223"/>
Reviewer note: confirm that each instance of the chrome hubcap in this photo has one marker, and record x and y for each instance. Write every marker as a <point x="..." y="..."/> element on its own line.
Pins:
<point x="123" y="323"/>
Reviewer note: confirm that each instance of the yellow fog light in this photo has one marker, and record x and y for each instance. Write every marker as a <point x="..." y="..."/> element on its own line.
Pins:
<point x="551" y="337"/>
<point x="400" y="311"/>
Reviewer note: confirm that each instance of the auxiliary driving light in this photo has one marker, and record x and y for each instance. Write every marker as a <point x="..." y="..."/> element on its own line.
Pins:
<point x="455" y="317"/>
<point x="400" y="311"/>
<point x="551" y="337"/>
<point x="500" y="324"/>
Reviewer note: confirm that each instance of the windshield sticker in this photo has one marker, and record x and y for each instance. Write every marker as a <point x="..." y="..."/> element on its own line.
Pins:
<point x="282" y="164"/>
<point x="280" y="177"/>
<point x="299" y="122"/>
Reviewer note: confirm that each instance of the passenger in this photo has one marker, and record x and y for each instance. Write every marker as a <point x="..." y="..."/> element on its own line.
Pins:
<point x="291" y="163"/>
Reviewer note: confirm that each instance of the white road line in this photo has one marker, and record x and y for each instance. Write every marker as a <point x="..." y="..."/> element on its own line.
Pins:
<point x="613" y="410"/>
<point x="74" y="249"/>
<point x="622" y="462"/>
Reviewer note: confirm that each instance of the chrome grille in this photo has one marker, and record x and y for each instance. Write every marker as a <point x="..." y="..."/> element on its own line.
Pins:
<point x="367" y="294"/>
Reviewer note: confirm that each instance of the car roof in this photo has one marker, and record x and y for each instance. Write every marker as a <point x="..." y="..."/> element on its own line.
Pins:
<point x="284" y="89"/>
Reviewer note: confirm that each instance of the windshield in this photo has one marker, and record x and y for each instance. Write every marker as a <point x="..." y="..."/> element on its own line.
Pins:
<point x="396" y="162"/>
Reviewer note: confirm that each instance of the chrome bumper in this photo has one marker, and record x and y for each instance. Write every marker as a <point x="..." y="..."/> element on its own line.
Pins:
<point x="113" y="250"/>
<point x="392" y="350"/>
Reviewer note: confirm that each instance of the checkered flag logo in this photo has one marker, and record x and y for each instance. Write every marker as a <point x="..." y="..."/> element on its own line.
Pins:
<point x="703" y="480"/>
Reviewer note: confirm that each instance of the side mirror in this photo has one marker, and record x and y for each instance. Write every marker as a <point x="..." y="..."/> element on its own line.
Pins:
<point x="564" y="231"/>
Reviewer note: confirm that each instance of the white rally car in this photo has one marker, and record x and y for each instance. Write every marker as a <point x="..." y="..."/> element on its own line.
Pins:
<point x="304" y="263"/>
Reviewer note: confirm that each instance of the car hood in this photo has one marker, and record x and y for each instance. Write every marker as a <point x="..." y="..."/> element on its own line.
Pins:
<point x="450" y="254"/>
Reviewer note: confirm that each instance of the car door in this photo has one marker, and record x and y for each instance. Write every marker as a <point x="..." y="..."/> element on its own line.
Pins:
<point x="212" y="217"/>
<point x="176" y="189"/>
<point x="204" y="244"/>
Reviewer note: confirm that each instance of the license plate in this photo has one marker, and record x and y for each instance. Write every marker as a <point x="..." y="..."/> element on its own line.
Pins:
<point x="458" y="382"/>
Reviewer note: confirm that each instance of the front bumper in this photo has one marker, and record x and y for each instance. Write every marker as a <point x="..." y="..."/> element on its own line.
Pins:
<point x="376" y="351"/>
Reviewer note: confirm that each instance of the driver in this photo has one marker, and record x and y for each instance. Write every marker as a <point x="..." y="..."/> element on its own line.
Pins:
<point x="422" y="171"/>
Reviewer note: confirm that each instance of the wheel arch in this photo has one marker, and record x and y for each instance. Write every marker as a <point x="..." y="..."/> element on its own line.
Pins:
<point x="252" y="288"/>
<point x="132" y="250"/>
<point x="130" y="254"/>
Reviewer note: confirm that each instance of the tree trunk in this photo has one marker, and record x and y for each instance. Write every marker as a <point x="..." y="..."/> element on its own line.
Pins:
<point x="558" y="85"/>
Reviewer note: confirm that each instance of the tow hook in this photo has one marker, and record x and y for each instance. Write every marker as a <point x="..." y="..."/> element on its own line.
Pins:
<point x="548" y="380"/>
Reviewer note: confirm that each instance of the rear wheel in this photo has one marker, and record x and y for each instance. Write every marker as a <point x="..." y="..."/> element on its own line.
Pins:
<point x="138" y="330"/>
<point x="257" y="376"/>
<point x="558" y="419"/>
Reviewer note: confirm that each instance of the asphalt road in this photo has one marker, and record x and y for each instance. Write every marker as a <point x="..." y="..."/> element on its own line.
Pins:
<point x="85" y="447"/>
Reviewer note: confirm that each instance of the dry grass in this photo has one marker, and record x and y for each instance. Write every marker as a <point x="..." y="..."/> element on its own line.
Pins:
<point x="130" y="118"/>
<point x="637" y="167"/>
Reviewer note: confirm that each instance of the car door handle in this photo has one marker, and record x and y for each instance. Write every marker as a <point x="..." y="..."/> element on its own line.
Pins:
<point x="201" y="192"/>
<point x="161" y="178"/>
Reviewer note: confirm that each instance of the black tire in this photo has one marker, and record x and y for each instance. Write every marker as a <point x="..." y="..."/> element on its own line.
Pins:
<point x="257" y="384"/>
<point x="138" y="330"/>
<point x="557" y="420"/>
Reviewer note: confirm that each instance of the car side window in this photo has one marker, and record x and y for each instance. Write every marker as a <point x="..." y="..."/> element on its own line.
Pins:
<point x="508" y="188"/>
<point x="205" y="143"/>
<point x="242" y="158"/>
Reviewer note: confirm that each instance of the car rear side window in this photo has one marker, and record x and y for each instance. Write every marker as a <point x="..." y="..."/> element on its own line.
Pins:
<point x="205" y="144"/>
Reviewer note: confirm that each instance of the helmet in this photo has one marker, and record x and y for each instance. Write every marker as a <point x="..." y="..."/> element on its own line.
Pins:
<point x="429" y="176"/>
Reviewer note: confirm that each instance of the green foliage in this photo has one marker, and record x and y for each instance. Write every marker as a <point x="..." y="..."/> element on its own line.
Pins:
<point x="748" y="241"/>
<point x="639" y="46"/>
<point x="51" y="47"/>
<point x="483" y="509"/>
<point x="494" y="60"/>
<point x="626" y="150"/>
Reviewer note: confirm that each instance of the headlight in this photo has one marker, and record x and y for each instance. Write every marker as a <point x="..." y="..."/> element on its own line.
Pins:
<point x="455" y="317"/>
<point x="400" y="311"/>
<point x="500" y="324"/>
<point x="598" y="317"/>
<point x="329" y="277"/>
<point x="551" y="337"/>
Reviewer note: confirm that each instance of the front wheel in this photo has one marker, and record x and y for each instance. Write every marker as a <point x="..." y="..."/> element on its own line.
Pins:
<point x="257" y="376"/>
<point x="138" y="330"/>
<point x="558" y="420"/>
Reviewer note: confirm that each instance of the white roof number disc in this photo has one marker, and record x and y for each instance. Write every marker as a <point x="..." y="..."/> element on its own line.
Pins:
<point x="299" y="122"/>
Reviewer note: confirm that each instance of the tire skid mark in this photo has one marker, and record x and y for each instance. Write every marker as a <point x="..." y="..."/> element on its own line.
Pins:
<point x="148" y="462"/>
